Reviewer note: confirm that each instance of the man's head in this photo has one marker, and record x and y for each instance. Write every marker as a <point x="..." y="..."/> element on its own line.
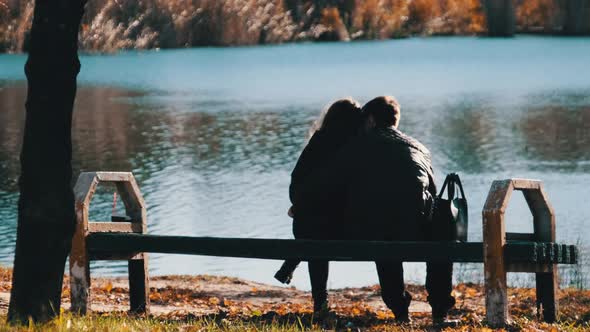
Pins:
<point x="381" y="112"/>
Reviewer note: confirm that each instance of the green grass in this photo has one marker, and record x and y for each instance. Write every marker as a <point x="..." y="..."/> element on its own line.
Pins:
<point x="118" y="322"/>
<point x="122" y="323"/>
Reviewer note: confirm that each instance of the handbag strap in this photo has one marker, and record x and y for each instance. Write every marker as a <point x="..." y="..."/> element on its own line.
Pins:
<point x="444" y="186"/>
<point x="452" y="180"/>
<point x="450" y="183"/>
<point x="457" y="182"/>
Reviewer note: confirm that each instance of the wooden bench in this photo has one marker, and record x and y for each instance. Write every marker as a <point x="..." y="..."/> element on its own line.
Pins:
<point x="500" y="252"/>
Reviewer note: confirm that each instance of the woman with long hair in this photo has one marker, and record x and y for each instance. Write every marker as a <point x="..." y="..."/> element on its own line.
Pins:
<point x="338" y="125"/>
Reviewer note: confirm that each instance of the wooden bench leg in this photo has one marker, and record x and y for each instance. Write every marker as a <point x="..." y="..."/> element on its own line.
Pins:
<point x="547" y="295"/>
<point x="79" y="273"/>
<point x="544" y="228"/>
<point x="139" y="285"/>
<point x="496" y="295"/>
<point x="494" y="239"/>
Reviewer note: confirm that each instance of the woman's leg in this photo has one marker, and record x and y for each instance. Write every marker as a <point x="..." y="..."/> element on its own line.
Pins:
<point x="318" y="275"/>
<point x="285" y="273"/>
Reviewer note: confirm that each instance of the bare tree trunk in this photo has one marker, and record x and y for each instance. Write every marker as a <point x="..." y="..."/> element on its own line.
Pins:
<point x="46" y="217"/>
<point x="500" y="17"/>
<point x="576" y="17"/>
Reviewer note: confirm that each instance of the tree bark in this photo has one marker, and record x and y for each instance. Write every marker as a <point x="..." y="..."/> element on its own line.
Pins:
<point x="575" y="17"/>
<point x="46" y="216"/>
<point x="500" y="17"/>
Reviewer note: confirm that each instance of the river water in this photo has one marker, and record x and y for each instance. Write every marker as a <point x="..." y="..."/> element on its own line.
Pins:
<point x="212" y="134"/>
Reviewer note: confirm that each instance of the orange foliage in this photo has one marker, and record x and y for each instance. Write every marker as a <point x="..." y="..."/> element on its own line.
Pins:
<point x="421" y="13"/>
<point x="330" y="26"/>
<point x="537" y="15"/>
<point x="379" y="19"/>
<point x="331" y="18"/>
<point x="462" y="17"/>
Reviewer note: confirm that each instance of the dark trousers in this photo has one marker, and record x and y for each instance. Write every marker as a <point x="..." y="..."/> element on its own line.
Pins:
<point x="318" y="276"/>
<point x="315" y="228"/>
<point x="439" y="284"/>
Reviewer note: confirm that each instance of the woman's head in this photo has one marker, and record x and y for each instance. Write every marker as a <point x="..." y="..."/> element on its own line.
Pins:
<point x="343" y="117"/>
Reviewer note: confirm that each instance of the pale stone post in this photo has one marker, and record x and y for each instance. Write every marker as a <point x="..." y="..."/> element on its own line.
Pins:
<point x="80" y="257"/>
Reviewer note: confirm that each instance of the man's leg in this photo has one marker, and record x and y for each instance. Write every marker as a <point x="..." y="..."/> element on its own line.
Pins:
<point x="439" y="284"/>
<point x="391" y="279"/>
<point x="318" y="276"/>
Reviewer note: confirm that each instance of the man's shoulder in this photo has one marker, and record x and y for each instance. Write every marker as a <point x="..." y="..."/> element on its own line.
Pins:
<point x="399" y="137"/>
<point x="416" y="144"/>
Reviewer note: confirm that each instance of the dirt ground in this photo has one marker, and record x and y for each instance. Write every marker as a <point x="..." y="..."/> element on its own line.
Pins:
<point x="179" y="297"/>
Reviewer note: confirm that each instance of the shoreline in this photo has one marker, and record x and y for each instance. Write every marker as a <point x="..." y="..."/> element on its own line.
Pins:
<point x="100" y="52"/>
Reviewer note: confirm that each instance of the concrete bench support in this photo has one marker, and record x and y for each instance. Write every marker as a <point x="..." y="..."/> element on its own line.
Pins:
<point x="80" y="256"/>
<point x="495" y="239"/>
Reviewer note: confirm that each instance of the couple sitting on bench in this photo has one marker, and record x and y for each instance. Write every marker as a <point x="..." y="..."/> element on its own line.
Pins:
<point x="360" y="178"/>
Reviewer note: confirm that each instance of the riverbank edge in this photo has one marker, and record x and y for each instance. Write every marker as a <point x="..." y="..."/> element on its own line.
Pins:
<point x="527" y="33"/>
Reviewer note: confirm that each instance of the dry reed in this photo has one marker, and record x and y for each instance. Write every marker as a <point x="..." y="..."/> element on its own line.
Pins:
<point x="111" y="25"/>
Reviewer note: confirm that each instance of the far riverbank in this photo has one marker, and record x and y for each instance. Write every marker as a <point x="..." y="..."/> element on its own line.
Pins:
<point x="109" y="26"/>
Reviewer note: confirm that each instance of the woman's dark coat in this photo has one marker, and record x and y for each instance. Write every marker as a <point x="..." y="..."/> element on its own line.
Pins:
<point x="315" y="220"/>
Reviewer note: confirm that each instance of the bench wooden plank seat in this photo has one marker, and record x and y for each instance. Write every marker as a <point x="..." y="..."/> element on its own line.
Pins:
<point x="406" y="251"/>
<point x="500" y="252"/>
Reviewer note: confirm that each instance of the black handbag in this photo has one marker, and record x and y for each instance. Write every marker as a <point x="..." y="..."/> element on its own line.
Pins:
<point x="450" y="217"/>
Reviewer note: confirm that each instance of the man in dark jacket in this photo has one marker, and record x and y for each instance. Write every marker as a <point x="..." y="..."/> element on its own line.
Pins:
<point x="385" y="180"/>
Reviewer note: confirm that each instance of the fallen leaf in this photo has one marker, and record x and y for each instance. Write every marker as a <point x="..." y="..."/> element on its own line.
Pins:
<point x="108" y="287"/>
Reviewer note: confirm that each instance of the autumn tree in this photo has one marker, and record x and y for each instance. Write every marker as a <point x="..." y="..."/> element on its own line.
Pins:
<point x="46" y="217"/>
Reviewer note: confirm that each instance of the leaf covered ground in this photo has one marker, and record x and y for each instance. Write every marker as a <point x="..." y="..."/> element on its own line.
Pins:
<point x="211" y="303"/>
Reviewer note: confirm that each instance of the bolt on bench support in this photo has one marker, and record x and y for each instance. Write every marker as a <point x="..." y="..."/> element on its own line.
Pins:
<point x="80" y="256"/>
<point x="495" y="237"/>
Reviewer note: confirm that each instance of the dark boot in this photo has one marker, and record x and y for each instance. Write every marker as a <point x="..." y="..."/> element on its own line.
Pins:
<point x="440" y="310"/>
<point x="285" y="273"/>
<point x="402" y="309"/>
<point x="397" y="299"/>
<point x="323" y="316"/>
<point x="320" y="300"/>
<point x="318" y="275"/>
<point x="320" y="307"/>
<point x="439" y="277"/>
